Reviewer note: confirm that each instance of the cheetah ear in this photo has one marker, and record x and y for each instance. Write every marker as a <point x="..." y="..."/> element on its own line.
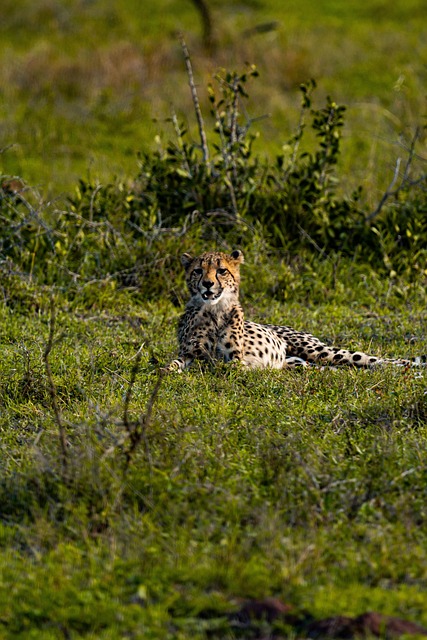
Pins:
<point x="186" y="260"/>
<point x="237" y="255"/>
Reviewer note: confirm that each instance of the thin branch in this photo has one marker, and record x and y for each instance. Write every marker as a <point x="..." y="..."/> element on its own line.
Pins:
<point x="136" y="430"/>
<point x="233" y="130"/>
<point x="202" y="133"/>
<point x="14" y="189"/>
<point x="52" y="391"/>
<point x="411" y="155"/>
<point x="227" y="163"/>
<point x="139" y="434"/>
<point x="306" y="235"/>
<point x="389" y="192"/>
<point x="129" y="391"/>
<point x="149" y="409"/>
<point x="234" y="111"/>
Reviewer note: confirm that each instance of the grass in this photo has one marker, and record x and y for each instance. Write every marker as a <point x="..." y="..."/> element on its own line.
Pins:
<point x="307" y="485"/>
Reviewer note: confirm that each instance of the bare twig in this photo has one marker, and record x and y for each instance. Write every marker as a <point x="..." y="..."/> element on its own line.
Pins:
<point x="129" y="391"/>
<point x="139" y="430"/>
<point x="202" y="133"/>
<point x="404" y="181"/>
<point x="233" y="132"/>
<point x="227" y="162"/>
<point x="14" y="189"/>
<point x="411" y="155"/>
<point x="136" y="430"/>
<point x="306" y="235"/>
<point x="234" y="111"/>
<point x="52" y="391"/>
<point x="389" y="192"/>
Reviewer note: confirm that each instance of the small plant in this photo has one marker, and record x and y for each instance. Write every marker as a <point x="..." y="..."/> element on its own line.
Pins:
<point x="300" y="205"/>
<point x="216" y="180"/>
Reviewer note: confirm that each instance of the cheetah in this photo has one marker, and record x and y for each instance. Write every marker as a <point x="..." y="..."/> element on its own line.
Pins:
<point x="213" y="326"/>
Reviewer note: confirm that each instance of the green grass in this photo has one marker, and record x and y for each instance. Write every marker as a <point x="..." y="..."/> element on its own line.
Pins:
<point x="82" y="82"/>
<point x="308" y="485"/>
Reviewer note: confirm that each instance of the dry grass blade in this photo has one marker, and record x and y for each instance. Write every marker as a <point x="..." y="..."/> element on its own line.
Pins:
<point x="52" y="390"/>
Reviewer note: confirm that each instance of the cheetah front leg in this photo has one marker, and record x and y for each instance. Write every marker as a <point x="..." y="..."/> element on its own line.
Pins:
<point x="197" y="345"/>
<point x="231" y="347"/>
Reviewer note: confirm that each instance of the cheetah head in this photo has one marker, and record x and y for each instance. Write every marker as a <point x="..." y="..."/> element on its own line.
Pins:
<point x="213" y="276"/>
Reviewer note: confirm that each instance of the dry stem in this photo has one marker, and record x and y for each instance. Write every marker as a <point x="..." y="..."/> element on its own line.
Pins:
<point x="52" y="391"/>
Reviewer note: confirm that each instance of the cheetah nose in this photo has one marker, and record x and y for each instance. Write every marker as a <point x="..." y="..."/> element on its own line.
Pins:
<point x="208" y="284"/>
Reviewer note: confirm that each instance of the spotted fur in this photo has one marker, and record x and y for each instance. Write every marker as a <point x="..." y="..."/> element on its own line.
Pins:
<point x="213" y="326"/>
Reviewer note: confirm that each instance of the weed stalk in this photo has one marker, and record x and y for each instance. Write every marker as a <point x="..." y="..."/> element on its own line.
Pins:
<point x="137" y="429"/>
<point x="202" y="132"/>
<point x="52" y="392"/>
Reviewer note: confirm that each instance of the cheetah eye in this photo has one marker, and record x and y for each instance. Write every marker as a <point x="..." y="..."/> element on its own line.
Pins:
<point x="198" y="272"/>
<point x="222" y="272"/>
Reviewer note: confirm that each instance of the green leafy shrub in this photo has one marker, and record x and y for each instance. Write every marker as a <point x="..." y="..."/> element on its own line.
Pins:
<point x="26" y="236"/>
<point x="300" y="204"/>
<point x="296" y="199"/>
<point x="186" y="175"/>
<point x="402" y="232"/>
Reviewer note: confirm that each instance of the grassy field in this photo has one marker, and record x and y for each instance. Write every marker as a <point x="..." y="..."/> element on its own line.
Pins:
<point x="139" y="505"/>
<point x="306" y="485"/>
